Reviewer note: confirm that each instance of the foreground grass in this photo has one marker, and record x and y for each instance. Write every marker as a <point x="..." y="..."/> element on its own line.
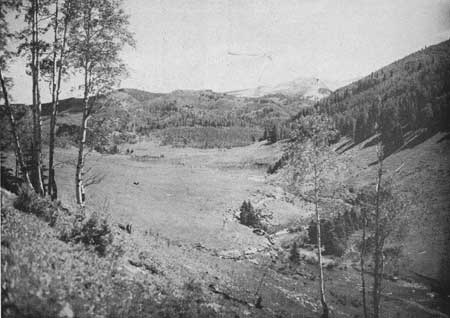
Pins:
<point x="43" y="276"/>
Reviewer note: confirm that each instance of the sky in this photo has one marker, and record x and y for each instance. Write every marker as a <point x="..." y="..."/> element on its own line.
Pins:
<point x="228" y="45"/>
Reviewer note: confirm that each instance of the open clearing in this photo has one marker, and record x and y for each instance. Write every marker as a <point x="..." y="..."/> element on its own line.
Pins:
<point x="183" y="194"/>
<point x="187" y="198"/>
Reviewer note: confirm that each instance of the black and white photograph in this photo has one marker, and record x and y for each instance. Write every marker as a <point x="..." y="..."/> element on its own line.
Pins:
<point x="225" y="158"/>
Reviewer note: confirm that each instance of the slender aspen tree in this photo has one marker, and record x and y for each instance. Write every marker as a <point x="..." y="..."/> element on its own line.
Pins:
<point x="58" y="64"/>
<point x="98" y="33"/>
<point x="378" y="249"/>
<point x="5" y="56"/>
<point x="362" y="265"/>
<point x="17" y="144"/>
<point x="310" y="155"/>
<point x="37" y="107"/>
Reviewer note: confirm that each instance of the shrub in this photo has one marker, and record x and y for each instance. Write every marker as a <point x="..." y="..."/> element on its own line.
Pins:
<point x="92" y="231"/>
<point x="312" y="231"/>
<point x="113" y="150"/>
<point x="340" y="228"/>
<point x="28" y="201"/>
<point x="335" y="232"/>
<point x="350" y="225"/>
<point x="249" y="216"/>
<point x="8" y="180"/>
<point x="369" y="245"/>
<point x="333" y="244"/>
<point x="294" y="256"/>
<point x="278" y="165"/>
<point x="64" y="141"/>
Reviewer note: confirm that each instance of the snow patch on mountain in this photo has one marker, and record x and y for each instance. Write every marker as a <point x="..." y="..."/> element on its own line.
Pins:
<point x="307" y="87"/>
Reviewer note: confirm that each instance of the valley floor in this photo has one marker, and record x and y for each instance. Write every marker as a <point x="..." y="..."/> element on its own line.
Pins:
<point x="182" y="204"/>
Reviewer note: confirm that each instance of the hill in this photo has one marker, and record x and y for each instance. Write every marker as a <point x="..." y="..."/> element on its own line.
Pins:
<point x="191" y="108"/>
<point x="183" y="117"/>
<point x="410" y="94"/>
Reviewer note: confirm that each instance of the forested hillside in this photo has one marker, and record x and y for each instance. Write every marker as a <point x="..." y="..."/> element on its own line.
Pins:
<point x="190" y="108"/>
<point x="405" y="96"/>
<point x="203" y="118"/>
<point x="207" y="116"/>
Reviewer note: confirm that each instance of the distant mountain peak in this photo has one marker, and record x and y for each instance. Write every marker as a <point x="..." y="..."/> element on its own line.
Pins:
<point x="308" y="87"/>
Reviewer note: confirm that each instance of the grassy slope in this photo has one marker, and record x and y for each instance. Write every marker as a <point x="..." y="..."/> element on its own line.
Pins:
<point x="41" y="275"/>
<point x="420" y="176"/>
<point x="423" y="176"/>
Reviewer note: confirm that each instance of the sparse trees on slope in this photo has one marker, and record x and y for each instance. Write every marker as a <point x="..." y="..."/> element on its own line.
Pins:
<point x="19" y="152"/>
<point x="389" y="219"/>
<point x="310" y="154"/>
<point x="58" y="65"/>
<point x="382" y="215"/>
<point x="98" y="34"/>
<point x="4" y="57"/>
<point x="33" y="47"/>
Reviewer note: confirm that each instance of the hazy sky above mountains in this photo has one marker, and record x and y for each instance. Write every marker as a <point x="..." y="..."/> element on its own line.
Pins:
<point x="235" y="44"/>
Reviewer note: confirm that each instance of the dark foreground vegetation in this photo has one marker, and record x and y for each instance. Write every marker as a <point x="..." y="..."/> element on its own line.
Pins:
<point x="62" y="263"/>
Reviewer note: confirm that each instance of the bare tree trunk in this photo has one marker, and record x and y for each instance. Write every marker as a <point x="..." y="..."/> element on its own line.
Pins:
<point x="325" y="309"/>
<point x="79" y="186"/>
<point x="56" y="87"/>
<point x="38" y="112"/>
<point x="378" y="257"/>
<point x="17" y="168"/>
<point x="33" y="78"/>
<point x="37" y="142"/>
<point x="51" y="146"/>
<point x="19" y="152"/>
<point x="363" y="252"/>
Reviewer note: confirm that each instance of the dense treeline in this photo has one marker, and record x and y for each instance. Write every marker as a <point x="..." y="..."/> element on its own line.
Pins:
<point x="147" y="112"/>
<point x="142" y="113"/>
<point x="406" y="95"/>
<point x="208" y="137"/>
